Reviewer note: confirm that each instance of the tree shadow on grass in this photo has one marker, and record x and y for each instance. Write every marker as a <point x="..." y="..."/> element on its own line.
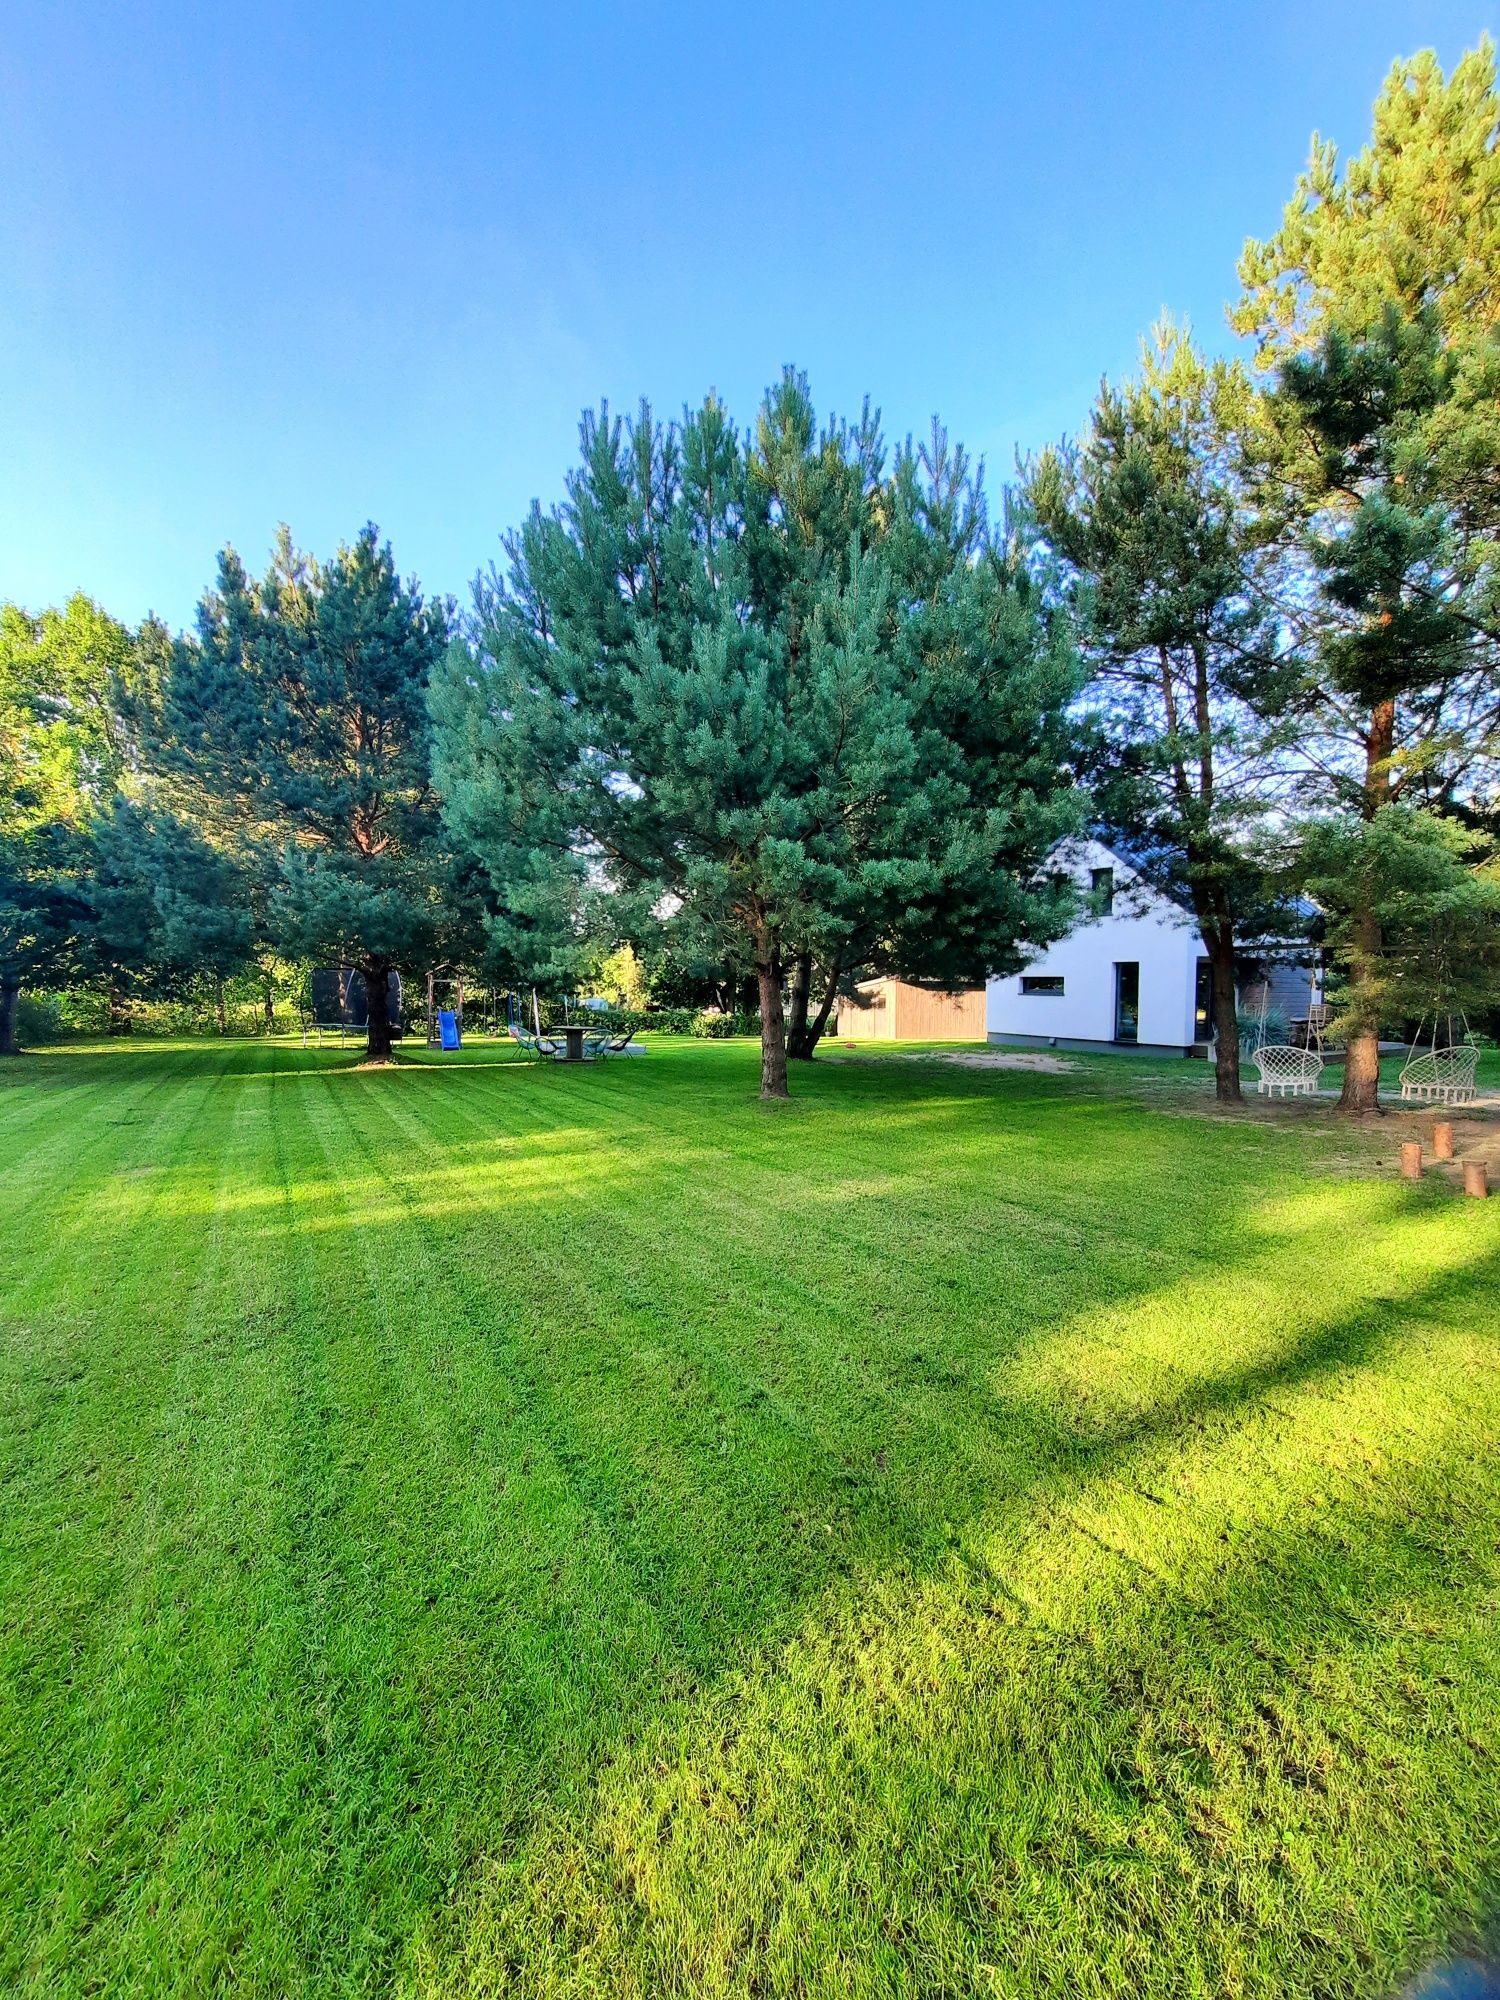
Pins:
<point x="1192" y="1739"/>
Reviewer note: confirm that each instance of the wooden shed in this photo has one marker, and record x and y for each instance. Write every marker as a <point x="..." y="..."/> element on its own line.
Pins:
<point x="900" y="1012"/>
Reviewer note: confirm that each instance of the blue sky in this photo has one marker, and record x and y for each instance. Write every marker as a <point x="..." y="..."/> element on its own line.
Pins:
<point x="329" y="263"/>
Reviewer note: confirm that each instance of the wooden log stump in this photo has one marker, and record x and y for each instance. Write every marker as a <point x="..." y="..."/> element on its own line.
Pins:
<point x="1442" y="1139"/>
<point x="1411" y="1159"/>
<point x="1476" y="1179"/>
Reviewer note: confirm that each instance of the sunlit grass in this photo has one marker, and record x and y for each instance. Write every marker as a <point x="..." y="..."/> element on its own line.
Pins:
<point x="474" y="1528"/>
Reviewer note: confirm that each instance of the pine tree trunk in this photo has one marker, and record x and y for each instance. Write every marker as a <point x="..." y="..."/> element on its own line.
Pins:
<point x="1226" y="1019"/>
<point x="797" y="1046"/>
<point x="377" y="972"/>
<point x="120" y="1022"/>
<point x="221" y="1013"/>
<point x="1361" y="1091"/>
<point x="804" y="1046"/>
<point x="270" y="1009"/>
<point x="772" y="1020"/>
<point x="10" y="995"/>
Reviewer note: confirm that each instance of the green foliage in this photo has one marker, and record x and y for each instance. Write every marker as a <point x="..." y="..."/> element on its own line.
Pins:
<point x="165" y="907"/>
<point x="39" y="1019"/>
<point x="1376" y="307"/>
<point x="790" y="692"/>
<point x="1381" y="541"/>
<point x="1432" y="886"/>
<point x="189" y="1006"/>
<point x="63" y="677"/>
<point x="1411" y="221"/>
<point x="678" y="975"/>
<point x="1165" y="567"/>
<point x="618" y="976"/>
<point x="42" y="907"/>
<point x="62" y="674"/>
<point x="301" y="708"/>
<point x="711" y="1026"/>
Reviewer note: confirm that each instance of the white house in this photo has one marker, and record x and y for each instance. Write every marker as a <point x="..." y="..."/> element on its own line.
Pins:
<point x="1132" y="974"/>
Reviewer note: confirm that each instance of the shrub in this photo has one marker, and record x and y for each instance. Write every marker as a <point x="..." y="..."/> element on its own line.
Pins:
<point x="1255" y="1031"/>
<point x="39" y="1018"/>
<point x="712" y="1027"/>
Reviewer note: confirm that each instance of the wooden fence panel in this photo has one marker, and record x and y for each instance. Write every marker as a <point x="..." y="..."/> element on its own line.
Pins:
<point x="905" y="1013"/>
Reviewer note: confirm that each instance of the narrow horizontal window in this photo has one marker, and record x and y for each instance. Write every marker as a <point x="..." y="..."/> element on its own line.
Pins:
<point x="1041" y="982"/>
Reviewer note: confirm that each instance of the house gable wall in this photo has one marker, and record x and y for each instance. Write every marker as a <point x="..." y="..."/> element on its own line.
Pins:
<point x="1146" y="928"/>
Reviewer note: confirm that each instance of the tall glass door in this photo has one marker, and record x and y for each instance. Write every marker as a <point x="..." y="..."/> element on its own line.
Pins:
<point x="1127" y="1000"/>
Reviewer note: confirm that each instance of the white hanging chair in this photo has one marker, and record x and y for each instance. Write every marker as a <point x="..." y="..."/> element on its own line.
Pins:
<point x="1444" y="1072"/>
<point x="1285" y="1071"/>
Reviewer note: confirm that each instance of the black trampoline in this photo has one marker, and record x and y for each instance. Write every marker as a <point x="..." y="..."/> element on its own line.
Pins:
<point x="337" y="1003"/>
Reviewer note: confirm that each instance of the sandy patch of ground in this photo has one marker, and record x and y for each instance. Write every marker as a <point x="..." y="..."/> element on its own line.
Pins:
<point x="1001" y="1059"/>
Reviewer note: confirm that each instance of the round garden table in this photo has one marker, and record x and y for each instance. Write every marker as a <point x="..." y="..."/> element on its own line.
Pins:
<point x="574" y="1037"/>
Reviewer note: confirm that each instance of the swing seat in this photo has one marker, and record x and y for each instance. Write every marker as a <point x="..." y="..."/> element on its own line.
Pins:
<point x="1285" y="1071"/>
<point x="1441" y="1076"/>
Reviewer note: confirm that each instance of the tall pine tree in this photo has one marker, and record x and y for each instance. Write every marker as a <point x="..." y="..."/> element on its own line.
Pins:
<point x="1396" y="667"/>
<point x="300" y="706"/>
<point x="785" y="691"/>
<point x="1376" y="310"/>
<point x="1162" y="560"/>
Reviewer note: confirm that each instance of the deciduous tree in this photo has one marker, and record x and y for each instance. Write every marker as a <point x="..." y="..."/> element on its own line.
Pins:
<point x="62" y="673"/>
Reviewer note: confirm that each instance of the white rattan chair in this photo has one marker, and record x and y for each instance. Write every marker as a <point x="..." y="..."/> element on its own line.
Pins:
<point x="1285" y="1071"/>
<point x="1441" y="1076"/>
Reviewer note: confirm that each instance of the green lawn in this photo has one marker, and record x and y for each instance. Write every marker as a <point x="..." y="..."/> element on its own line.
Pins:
<point x="479" y="1529"/>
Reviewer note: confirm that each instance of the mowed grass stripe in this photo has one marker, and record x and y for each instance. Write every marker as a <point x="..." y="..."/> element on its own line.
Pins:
<point x="105" y="1245"/>
<point x="682" y="1279"/>
<point x="589" y="1398"/>
<point x="680" y="1286"/>
<point x="411" y="1574"/>
<point x="124" y="1624"/>
<point x="489" y="1298"/>
<point x="941" y="1796"/>
<point x="79" y="1141"/>
<point x="59" y="1091"/>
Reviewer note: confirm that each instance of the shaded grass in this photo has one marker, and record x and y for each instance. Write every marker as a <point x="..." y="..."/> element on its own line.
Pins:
<point x="473" y="1528"/>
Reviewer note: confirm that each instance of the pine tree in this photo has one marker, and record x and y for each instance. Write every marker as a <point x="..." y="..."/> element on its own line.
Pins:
<point x="300" y="707"/>
<point x="1162" y="560"/>
<point x="1395" y="663"/>
<point x="166" y="907"/>
<point x="1376" y="310"/>
<point x="1411" y="221"/>
<point x="1431" y="886"/>
<point x="790" y="694"/>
